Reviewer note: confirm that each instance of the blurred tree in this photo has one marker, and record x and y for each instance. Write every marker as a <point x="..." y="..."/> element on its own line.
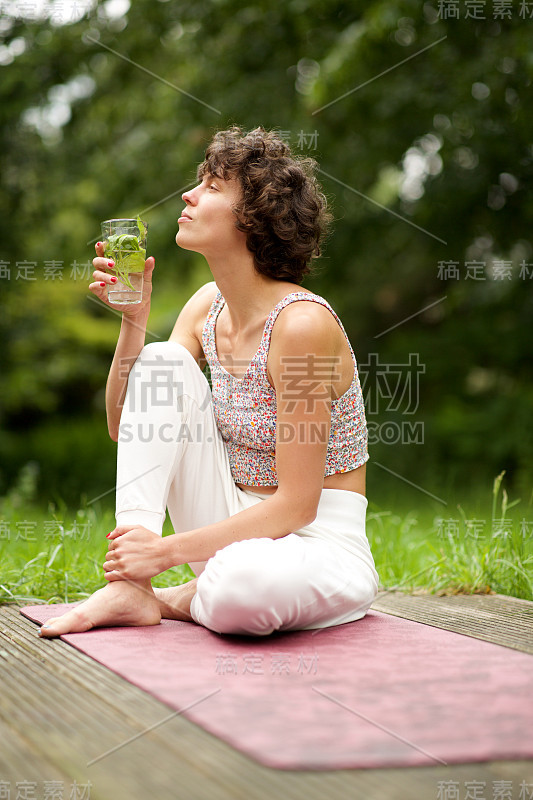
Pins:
<point x="419" y="126"/>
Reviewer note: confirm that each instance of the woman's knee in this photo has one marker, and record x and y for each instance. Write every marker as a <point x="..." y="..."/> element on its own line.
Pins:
<point x="244" y="589"/>
<point x="165" y="371"/>
<point x="156" y="353"/>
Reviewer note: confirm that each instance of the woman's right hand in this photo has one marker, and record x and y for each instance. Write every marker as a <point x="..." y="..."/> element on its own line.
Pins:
<point x="103" y="278"/>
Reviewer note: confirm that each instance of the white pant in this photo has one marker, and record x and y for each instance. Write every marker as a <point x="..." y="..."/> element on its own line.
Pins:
<point x="171" y="455"/>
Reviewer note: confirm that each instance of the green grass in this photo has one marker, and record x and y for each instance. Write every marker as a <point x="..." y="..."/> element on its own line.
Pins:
<point x="475" y="547"/>
<point x="55" y="554"/>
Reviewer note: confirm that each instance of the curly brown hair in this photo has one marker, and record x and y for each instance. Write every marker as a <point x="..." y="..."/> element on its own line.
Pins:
<point x="282" y="209"/>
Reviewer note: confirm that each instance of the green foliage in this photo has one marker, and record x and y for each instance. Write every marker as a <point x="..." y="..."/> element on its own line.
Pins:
<point x="420" y="126"/>
<point x="421" y="551"/>
<point x="56" y="555"/>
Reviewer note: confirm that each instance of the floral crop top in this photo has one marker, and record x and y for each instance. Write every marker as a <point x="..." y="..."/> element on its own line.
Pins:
<point x="245" y="408"/>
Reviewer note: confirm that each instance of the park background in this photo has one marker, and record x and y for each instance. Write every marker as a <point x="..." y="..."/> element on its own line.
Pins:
<point x="417" y="114"/>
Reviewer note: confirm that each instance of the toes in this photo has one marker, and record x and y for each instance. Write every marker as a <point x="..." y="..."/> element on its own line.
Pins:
<point x="72" y="622"/>
<point x="48" y="628"/>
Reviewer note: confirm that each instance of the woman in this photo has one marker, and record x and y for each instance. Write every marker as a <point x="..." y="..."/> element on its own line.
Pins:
<point x="264" y="477"/>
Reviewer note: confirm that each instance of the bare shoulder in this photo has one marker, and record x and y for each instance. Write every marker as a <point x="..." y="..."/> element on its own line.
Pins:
<point x="305" y="331"/>
<point x="305" y="322"/>
<point x="190" y="322"/>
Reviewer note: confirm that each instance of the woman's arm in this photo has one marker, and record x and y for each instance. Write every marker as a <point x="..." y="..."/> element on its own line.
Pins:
<point x="129" y="345"/>
<point x="301" y="363"/>
<point x="131" y="337"/>
<point x="187" y="331"/>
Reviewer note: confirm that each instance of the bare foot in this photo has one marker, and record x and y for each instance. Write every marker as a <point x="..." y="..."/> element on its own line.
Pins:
<point x="175" y="601"/>
<point x="117" y="603"/>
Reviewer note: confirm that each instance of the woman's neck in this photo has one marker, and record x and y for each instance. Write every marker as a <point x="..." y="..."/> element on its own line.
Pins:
<point x="249" y="295"/>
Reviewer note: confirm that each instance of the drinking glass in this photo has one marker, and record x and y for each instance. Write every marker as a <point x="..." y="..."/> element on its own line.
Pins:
<point x="124" y="243"/>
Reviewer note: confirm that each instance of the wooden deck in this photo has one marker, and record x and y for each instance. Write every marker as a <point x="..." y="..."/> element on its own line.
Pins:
<point x="60" y="710"/>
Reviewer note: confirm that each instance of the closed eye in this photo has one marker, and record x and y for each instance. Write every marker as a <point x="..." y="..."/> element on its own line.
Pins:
<point x="210" y="183"/>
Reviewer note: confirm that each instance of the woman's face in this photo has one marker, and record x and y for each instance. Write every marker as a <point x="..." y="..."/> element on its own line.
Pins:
<point x="207" y="223"/>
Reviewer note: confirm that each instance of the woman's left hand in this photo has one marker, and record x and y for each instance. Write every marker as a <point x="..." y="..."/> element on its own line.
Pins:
<point x="134" y="554"/>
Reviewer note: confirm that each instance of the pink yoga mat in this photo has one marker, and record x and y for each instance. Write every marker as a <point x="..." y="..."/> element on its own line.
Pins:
<point x="380" y="692"/>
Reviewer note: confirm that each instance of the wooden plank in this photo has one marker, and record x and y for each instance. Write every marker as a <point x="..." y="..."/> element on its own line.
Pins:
<point x="59" y="710"/>
<point x="494" y="618"/>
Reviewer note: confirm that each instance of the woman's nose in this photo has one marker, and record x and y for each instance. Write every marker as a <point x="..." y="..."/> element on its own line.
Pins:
<point x="189" y="197"/>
